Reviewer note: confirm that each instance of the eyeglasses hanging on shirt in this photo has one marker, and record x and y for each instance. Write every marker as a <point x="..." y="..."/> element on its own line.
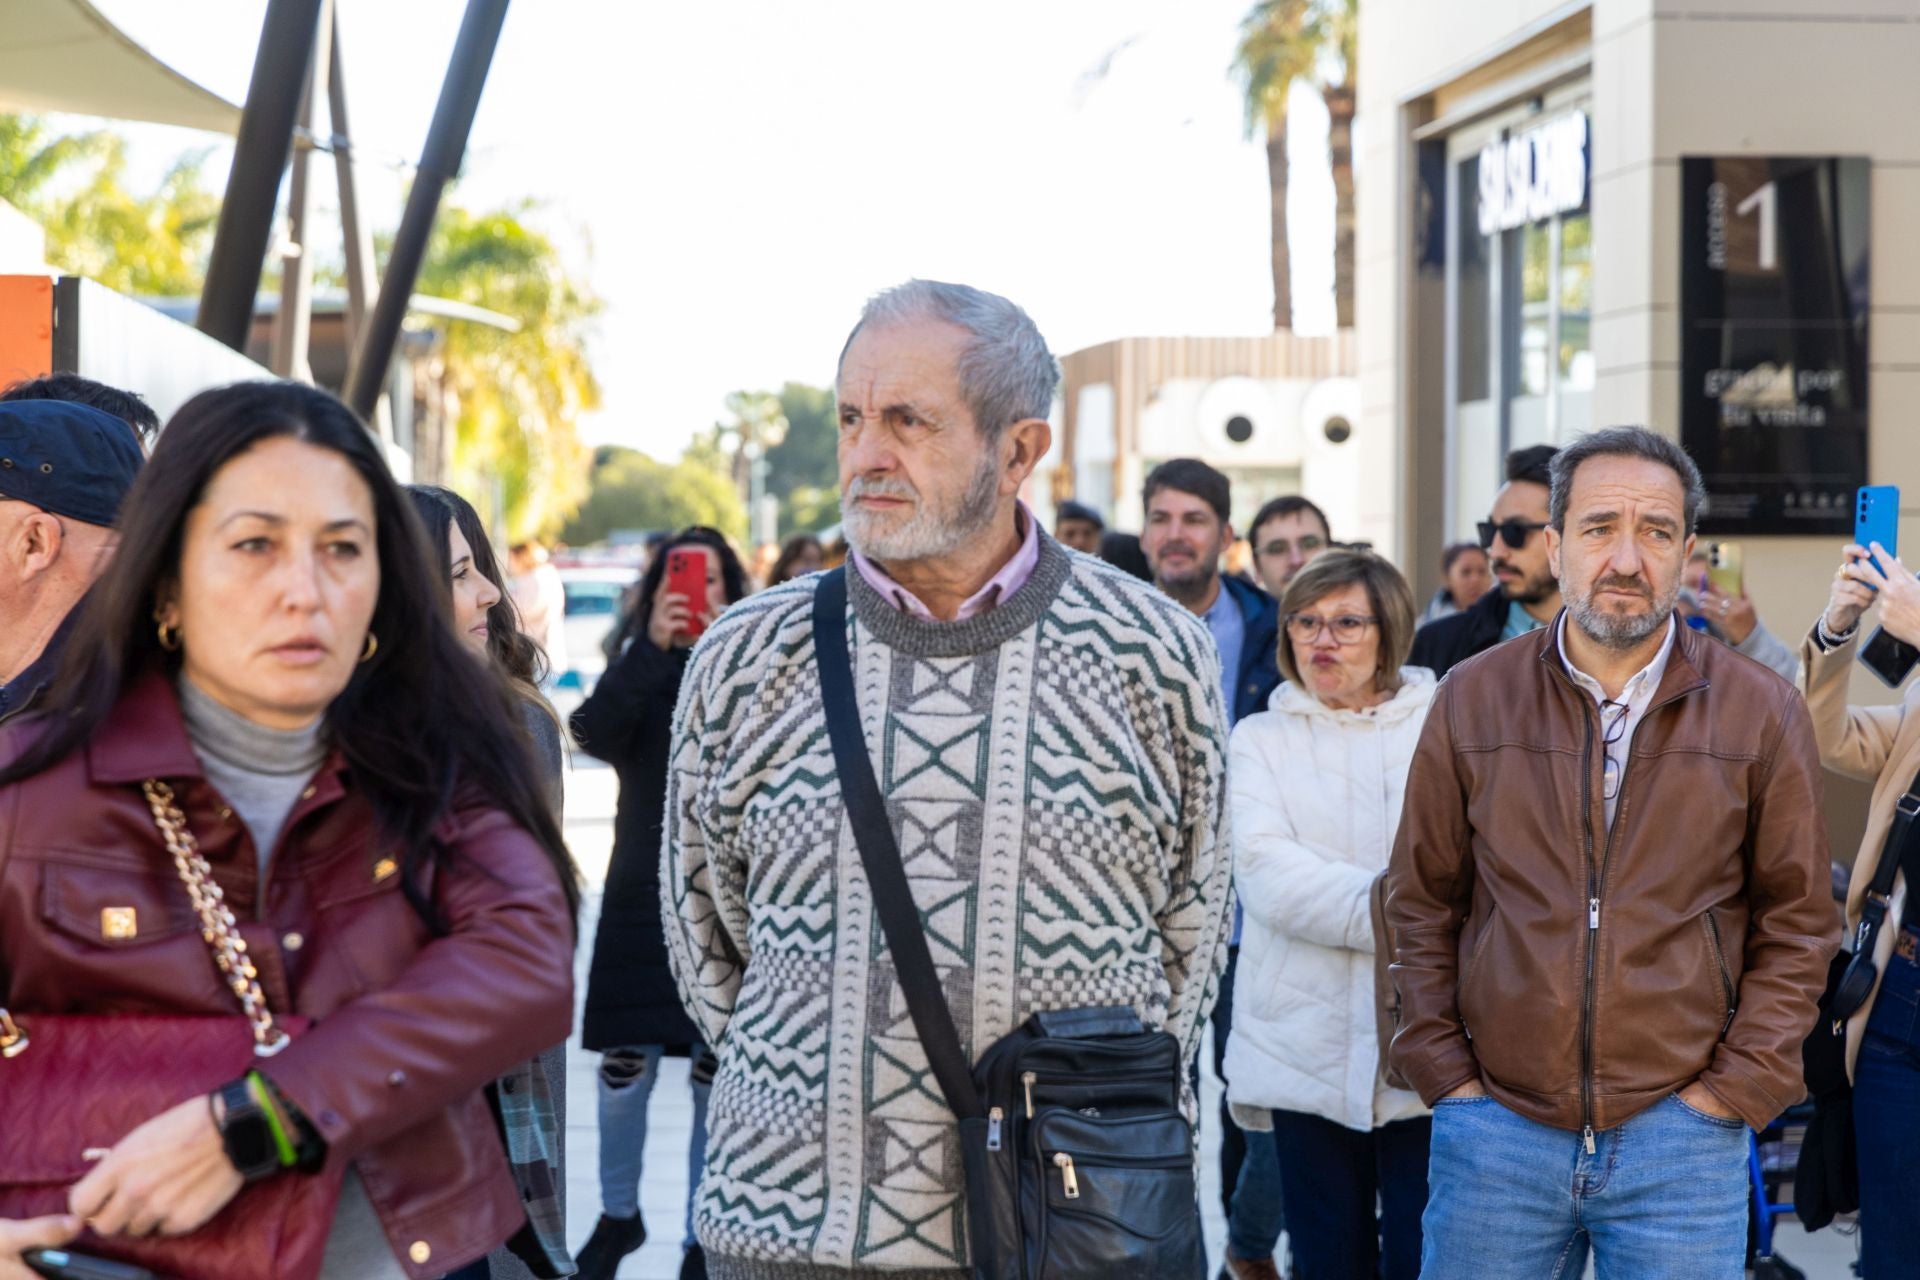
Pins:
<point x="1610" y="734"/>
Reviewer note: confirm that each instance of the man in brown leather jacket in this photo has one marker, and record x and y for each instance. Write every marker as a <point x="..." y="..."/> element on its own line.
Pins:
<point x="1610" y="908"/>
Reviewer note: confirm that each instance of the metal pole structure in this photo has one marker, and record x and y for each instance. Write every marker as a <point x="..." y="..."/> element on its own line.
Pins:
<point x="240" y="241"/>
<point x="294" y="325"/>
<point x="439" y="165"/>
<point x="353" y="229"/>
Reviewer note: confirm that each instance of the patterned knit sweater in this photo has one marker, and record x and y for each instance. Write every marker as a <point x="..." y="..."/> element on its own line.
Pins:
<point x="1054" y="773"/>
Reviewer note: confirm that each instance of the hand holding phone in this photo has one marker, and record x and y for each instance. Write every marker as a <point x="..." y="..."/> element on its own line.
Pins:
<point x="1876" y="518"/>
<point x="686" y="577"/>
<point x="1725" y="573"/>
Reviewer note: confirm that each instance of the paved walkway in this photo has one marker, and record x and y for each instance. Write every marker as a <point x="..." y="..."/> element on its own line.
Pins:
<point x="591" y="793"/>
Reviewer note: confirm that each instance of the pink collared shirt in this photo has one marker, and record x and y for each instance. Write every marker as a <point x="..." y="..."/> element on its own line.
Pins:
<point x="1012" y="576"/>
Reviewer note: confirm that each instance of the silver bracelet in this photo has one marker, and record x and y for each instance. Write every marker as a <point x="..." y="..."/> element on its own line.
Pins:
<point x="1831" y="640"/>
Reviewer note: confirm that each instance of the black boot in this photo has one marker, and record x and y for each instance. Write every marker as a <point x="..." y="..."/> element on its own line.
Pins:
<point x="694" y="1265"/>
<point x="612" y="1240"/>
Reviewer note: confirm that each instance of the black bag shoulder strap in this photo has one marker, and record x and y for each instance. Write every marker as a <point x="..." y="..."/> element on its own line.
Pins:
<point x="1900" y="835"/>
<point x="880" y="853"/>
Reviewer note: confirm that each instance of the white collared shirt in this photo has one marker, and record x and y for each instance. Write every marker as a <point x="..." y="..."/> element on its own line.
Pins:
<point x="1636" y="697"/>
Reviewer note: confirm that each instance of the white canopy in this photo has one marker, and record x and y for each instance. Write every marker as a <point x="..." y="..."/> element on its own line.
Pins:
<point x="64" y="55"/>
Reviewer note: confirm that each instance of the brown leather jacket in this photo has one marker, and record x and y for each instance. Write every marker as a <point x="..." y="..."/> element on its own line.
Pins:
<point x="408" y="1027"/>
<point x="1582" y="977"/>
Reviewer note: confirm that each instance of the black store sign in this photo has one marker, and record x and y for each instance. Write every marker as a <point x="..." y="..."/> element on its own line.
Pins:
<point x="1773" y="312"/>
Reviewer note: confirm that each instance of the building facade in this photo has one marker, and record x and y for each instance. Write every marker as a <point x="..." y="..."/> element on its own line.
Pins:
<point x="1687" y="214"/>
<point x="1275" y="413"/>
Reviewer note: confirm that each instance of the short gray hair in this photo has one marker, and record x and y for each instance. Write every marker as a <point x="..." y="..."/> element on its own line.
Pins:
<point x="1006" y="372"/>
<point x="1623" y="442"/>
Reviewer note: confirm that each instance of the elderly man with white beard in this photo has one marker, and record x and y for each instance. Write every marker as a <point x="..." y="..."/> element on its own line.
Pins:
<point x="1048" y="740"/>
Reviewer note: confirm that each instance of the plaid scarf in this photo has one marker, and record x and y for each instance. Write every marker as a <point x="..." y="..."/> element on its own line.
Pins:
<point x="530" y="1126"/>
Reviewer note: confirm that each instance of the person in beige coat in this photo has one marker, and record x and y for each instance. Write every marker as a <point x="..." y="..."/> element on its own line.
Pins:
<point x="1881" y="745"/>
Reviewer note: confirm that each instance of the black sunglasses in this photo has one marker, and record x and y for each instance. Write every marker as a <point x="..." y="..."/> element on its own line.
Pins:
<point x="1513" y="532"/>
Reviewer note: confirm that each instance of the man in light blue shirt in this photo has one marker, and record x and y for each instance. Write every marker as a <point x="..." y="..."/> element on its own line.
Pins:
<point x="1229" y="628"/>
<point x="1188" y="511"/>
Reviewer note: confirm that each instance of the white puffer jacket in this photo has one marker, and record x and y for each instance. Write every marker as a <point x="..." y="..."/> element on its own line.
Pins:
<point x="1315" y="804"/>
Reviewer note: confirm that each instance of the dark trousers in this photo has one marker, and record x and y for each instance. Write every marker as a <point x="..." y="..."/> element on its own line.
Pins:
<point x="1233" y="1141"/>
<point x="1886" y="1121"/>
<point x="1249" y="1174"/>
<point x="1332" y="1177"/>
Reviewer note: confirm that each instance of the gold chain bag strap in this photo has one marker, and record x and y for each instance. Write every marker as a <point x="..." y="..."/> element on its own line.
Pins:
<point x="217" y="924"/>
<point x="218" y="927"/>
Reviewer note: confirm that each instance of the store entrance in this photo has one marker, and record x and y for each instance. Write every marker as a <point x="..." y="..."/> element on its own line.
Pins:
<point x="1519" y="298"/>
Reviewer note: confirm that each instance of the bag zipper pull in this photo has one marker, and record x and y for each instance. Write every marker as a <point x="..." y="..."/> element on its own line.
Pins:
<point x="1588" y="1134"/>
<point x="1064" y="1162"/>
<point x="994" y="1117"/>
<point x="1026" y="1082"/>
<point x="1593" y="913"/>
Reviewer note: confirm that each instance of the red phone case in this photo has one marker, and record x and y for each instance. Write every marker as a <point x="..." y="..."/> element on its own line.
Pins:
<point x="687" y="576"/>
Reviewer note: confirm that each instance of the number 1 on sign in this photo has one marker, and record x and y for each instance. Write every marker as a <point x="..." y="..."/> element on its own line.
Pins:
<point x="1767" y="200"/>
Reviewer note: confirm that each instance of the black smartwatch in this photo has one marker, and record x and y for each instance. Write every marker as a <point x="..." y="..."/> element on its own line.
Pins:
<point x="244" y="1131"/>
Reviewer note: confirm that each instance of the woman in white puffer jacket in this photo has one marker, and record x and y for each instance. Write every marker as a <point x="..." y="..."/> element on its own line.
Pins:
<point x="1316" y="785"/>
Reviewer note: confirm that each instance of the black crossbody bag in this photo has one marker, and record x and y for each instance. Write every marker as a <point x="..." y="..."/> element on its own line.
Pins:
<point x="1827" y="1181"/>
<point x="1079" y="1164"/>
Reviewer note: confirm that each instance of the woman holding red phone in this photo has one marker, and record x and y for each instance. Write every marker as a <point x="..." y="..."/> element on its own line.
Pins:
<point x="633" y="1014"/>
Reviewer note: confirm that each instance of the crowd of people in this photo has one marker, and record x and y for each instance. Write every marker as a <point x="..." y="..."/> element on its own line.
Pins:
<point x="1469" y="885"/>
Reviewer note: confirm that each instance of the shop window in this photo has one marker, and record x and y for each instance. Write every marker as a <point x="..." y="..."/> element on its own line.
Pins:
<point x="1519" y="292"/>
<point x="1473" y="299"/>
<point x="1576" y="303"/>
<point x="1534" y="245"/>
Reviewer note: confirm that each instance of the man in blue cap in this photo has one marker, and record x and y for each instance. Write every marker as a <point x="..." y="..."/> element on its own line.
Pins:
<point x="64" y="469"/>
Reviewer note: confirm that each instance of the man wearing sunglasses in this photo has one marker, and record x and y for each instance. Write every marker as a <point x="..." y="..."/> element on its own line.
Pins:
<point x="1526" y="595"/>
<point x="1610" y="908"/>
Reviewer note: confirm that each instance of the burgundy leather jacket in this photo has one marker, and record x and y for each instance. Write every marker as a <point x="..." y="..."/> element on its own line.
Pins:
<point x="408" y="1026"/>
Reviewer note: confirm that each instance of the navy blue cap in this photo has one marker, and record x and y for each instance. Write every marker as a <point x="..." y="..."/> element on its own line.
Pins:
<point x="67" y="459"/>
<point x="1071" y="510"/>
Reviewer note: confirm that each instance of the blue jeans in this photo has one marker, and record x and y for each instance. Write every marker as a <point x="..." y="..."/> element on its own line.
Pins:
<point x="1663" y="1197"/>
<point x="1333" y="1177"/>
<point x="1886" y="1121"/>
<point x="626" y="1083"/>
<point x="1256" y="1215"/>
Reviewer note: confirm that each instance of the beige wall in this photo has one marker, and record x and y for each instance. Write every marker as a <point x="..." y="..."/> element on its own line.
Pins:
<point x="1670" y="78"/>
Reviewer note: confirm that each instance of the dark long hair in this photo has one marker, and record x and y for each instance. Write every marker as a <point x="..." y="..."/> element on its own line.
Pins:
<point x="733" y="576"/>
<point x="511" y="649"/>
<point x="798" y="545"/>
<point x="420" y="722"/>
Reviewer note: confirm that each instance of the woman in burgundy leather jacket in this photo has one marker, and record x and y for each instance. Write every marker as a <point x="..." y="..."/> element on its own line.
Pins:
<point x="271" y="643"/>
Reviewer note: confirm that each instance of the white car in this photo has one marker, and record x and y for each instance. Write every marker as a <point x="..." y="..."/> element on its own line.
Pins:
<point x="593" y="606"/>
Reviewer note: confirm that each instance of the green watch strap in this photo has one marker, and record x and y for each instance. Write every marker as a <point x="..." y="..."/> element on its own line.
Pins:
<point x="276" y="1124"/>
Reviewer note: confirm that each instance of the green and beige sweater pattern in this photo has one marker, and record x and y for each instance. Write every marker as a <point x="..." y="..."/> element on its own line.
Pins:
<point x="1054" y="772"/>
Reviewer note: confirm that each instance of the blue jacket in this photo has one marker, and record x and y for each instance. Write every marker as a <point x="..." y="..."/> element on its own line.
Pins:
<point x="1259" y="672"/>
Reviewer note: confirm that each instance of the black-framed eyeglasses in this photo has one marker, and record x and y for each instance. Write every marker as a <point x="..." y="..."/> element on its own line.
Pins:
<point x="1347" y="628"/>
<point x="1513" y="532"/>
<point x="1610" y="733"/>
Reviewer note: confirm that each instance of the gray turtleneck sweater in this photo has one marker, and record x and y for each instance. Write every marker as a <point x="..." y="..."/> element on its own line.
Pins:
<point x="257" y="770"/>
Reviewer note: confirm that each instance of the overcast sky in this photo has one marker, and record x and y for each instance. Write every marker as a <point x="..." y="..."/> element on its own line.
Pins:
<point x="733" y="179"/>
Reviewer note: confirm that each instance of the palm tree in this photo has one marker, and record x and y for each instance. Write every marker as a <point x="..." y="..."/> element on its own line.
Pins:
<point x="1282" y="41"/>
<point x="1276" y="48"/>
<point x="1342" y="36"/>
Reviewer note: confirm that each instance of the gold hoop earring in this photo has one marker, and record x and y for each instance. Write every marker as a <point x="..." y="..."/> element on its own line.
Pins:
<point x="169" y="636"/>
<point x="373" y="646"/>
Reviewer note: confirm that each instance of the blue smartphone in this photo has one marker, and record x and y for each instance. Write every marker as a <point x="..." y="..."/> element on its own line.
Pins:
<point x="1876" y="518"/>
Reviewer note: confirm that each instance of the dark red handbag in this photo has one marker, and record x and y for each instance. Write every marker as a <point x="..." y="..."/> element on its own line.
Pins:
<point x="73" y="1085"/>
